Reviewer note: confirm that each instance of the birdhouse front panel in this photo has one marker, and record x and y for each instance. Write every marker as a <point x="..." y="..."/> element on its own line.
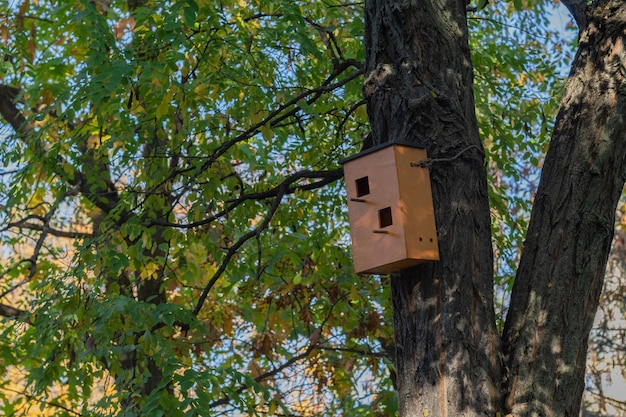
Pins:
<point x="390" y="209"/>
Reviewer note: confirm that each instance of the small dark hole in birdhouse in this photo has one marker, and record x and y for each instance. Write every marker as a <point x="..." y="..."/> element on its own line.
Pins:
<point x="421" y="239"/>
<point x="384" y="217"/>
<point x="431" y="240"/>
<point x="362" y="187"/>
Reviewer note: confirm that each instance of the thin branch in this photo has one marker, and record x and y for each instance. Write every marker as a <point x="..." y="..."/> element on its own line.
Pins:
<point x="578" y="9"/>
<point x="327" y="177"/>
<point x="8" y="271"/>
<point x="45" y="229"/>
<point x="286" y="187"/>
<point x="106" y="200"/>
<point x="50" y="403"/>
<point x="273" y="118"/>
<point x="25" y="16"/>
<point x="352" y="4"/>
<point x="365" y="352"/>
<point x="620" y="405"/>
<point x="259" y="16"/>
<point x="25" y="219"/>
<point x="15" y="313"/>
<point x="24" y="224"/>
<point x="9" y="172"/>
<point x="269" y="374"/>
<point x="235" y="247"/>
<point x="430" y="161"/>
<point x="313" y="345"/>
<point x="349" y="113"/>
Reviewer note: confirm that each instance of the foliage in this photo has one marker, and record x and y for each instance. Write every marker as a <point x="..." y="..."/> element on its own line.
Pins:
<point x="174" y="238"/>
<point x="520" y="59"/>
<point x="174" y="233"/>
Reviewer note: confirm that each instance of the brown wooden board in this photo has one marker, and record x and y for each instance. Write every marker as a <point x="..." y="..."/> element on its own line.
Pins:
<point x="392" y="222"/>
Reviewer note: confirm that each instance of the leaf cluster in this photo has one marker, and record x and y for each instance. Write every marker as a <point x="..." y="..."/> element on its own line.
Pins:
<point x="175" y="233"/>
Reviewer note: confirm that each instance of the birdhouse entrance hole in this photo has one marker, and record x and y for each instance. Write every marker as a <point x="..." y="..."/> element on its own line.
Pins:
<point x="362" y="187"/>
<point x="384" y="217"/>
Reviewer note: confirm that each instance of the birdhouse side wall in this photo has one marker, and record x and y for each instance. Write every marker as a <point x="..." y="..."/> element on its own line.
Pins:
<point x="416" y="203"/>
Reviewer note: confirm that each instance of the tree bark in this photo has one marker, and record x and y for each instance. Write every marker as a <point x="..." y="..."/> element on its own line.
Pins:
<point x="561" y="271"/>
<point x="419" y="89"/>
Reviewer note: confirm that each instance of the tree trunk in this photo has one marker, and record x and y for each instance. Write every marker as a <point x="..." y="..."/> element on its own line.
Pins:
<point x="561" y="271"/>
<point x="419" y="89"/>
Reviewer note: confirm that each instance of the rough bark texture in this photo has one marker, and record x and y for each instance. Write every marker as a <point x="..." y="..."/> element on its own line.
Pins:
<point x="559" y="280"/>
<point x="419" y="89"/>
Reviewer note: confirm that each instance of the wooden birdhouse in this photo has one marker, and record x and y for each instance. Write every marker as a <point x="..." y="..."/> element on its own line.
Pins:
<point x="390" y="206"/>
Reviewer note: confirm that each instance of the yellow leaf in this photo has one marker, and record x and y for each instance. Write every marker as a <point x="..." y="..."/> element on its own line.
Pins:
<point x="185" y="360"/>
<point x="272" y="407"/>
<point x="36" y="203"/>
<point x="162" y="109"/>
<point x="361" y="113"/>
<point x="354" y="293"/>
<point x="69" y="170"/>
<point x="267" y="132"/>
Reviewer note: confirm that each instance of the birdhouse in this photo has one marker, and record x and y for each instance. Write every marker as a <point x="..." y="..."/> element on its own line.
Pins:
<point x="390" y="207"/>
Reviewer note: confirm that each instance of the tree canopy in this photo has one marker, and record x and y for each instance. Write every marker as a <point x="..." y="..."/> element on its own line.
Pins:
<point x="174" y="232"/>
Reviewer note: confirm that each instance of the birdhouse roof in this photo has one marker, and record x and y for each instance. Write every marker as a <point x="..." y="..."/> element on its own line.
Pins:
<point x="379" y="147"/>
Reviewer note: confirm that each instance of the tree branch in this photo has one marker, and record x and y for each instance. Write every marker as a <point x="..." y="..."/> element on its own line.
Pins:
<point x="12" y="268"/>
<point x="277" y="115"/>
<point x="226" y="399"/>
<point x="578" y="9"/>
<point x="105" y="200"/>
<point x="49" y="403"/>
<point x="274" y="117"/>
<point x="282" y="112"/>
<point x="313" y="345"/>
<point x="15" y="313"/>
<point x="25" y="224"/>
<point x="45" y="230"/>
<point x="25" y="16"/>
<point x="9" y="111"/>
<point x="51" y="231"/>
<point x="286" y="187"/>
<point x="361" y="352"/>
<point x="232" y="250"/>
